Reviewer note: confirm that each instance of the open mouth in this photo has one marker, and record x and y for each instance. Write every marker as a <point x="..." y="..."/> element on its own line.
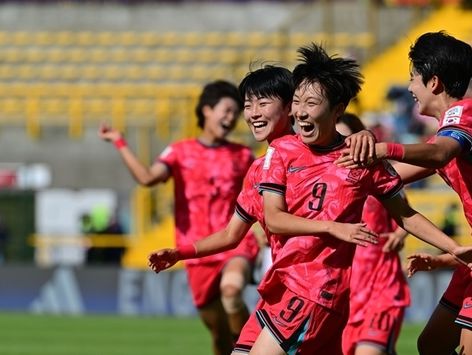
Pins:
<point x="306" y="127"/>
<point x="259" y="124"/>
<point x="226" y="126"/>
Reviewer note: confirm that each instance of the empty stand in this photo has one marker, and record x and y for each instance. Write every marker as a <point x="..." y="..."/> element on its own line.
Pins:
<point x="60" y="72"/>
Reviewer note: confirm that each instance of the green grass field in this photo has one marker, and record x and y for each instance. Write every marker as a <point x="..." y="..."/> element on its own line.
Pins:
<point x="25" y="334"/>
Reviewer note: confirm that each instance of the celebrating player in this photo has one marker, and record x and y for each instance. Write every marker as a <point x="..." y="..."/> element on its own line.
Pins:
<point x="208" y="173"/>
<point x="441" y="70"/>
<point x="268" y="94"/>
<point x="379" y="291"/>
<point x="305" y="294"/>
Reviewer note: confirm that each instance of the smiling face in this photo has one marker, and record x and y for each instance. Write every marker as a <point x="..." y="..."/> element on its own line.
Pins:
<point x="315" y="118"/>
<point x="267" y="117"/>
<point x="422" y="94"/>
<point x="221" y="119"/>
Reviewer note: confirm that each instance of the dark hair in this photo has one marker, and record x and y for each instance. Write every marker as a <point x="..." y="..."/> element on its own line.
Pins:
<point x="339" y="78"/>
<point x="352" y="121"/>
<point x="212" y="94"/>
<point x="437" y="53"/>
<point x="269" y="81"/>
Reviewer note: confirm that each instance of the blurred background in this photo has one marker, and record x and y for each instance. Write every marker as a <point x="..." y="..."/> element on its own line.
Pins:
<point x="75" y="230"/>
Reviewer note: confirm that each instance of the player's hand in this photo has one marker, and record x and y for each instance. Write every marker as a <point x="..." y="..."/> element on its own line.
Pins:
<point x="463" y="255"/>
<point x="108" y="133"/>
<point x="163" y="259"/>
<point x="360" y="151"/>
<point x="421" y="262"/>
<point x="356" y="233"/>
<point x="394" y="242"/>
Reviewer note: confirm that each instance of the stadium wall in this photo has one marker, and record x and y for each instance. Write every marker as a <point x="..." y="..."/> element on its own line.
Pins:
<point x="65" y="290"/>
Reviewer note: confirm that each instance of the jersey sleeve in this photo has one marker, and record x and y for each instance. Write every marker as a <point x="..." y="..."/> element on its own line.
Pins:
<point x="168" y="156"/>
<point x="274" y="178"/>
<point x="246" y="203"/>
<point x="386" y="181"/>
<point x="457" y="124"/>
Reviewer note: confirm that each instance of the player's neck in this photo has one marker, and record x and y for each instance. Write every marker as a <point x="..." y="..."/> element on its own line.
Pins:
<point x="210" y="140"/>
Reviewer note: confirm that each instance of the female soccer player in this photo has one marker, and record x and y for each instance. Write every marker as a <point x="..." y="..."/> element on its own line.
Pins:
<point x="208" y="173"/>
<point x="268" y="94"/>
<point x="441" y="70"/>
<point x="379" y="291"/>
<point x="305" y="294"/>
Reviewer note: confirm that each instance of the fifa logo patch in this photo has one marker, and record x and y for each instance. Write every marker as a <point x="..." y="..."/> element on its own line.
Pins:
<point x="453" y="116"/>
<point x="268" y="158"/>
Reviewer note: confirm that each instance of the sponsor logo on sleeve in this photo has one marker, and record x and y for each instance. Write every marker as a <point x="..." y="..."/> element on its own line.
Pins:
<point x="268" y="158"/>
<point x="453" y="116"/>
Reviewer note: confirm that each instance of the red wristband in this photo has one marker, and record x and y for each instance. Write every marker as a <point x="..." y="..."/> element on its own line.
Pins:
<point x="120" y="143"/>
<point x="187" y="251"/>
<point x="395" y="151"/>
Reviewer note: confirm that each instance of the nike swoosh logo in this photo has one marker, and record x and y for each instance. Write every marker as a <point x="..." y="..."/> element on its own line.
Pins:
<point x="294" y="169"/>
<point x="467" y="305"/>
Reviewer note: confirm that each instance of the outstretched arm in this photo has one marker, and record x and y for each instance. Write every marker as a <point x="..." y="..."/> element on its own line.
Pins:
<point x="225" y="239"/>
<point x="411" y="173"/>
<point x="432" y="155"/>
<point x="427" y="262"/>
<point x="418" y="225"/>
<point x="280" y="222"/>
<point x="145" y="176"/>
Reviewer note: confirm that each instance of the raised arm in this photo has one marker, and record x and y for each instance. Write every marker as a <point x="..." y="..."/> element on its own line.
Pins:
<point x="145" y="176"/>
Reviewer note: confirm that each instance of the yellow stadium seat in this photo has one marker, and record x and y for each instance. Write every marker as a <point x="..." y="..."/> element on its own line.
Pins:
<point x="106" y="39"/>
<point x="63" y="38"/>
<point x="191" y="39"/>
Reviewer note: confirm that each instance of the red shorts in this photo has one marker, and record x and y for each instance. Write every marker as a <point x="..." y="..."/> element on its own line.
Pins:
<point x="458" y="296"/>
<point x="251" y="330"/>
<point x="204" y="281"/>
<point x="299" y="325"/>
<point x="380" y="328"/>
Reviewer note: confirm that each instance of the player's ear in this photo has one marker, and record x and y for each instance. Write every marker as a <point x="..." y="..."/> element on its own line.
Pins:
<point x="206" y="110"/>
<point x="436" y="84"/>
<point x="339" y="110"/>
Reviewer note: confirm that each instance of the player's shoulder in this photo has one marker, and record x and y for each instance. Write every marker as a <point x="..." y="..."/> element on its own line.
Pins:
<point x="238" y="146"/>
<point x="256" y="165"/>
<point x="287" y="140"/>
<point x="460" y="112"/>
<point x="184" y="143"/>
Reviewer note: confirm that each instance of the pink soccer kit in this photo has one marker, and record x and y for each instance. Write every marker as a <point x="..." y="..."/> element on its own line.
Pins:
<point x="379" y="291"/>
<point x="316" y="268"/>
<point x="457" y="123"/>
<point x="207" y="180"/>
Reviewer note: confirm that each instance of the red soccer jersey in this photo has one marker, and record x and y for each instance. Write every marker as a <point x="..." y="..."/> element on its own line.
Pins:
<point x="458" y="172"/>
<point x="376" y="276"/>
<point x="207" y="180"/>
<point x="319" y="267"/>
<point x="250" y="206"/>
